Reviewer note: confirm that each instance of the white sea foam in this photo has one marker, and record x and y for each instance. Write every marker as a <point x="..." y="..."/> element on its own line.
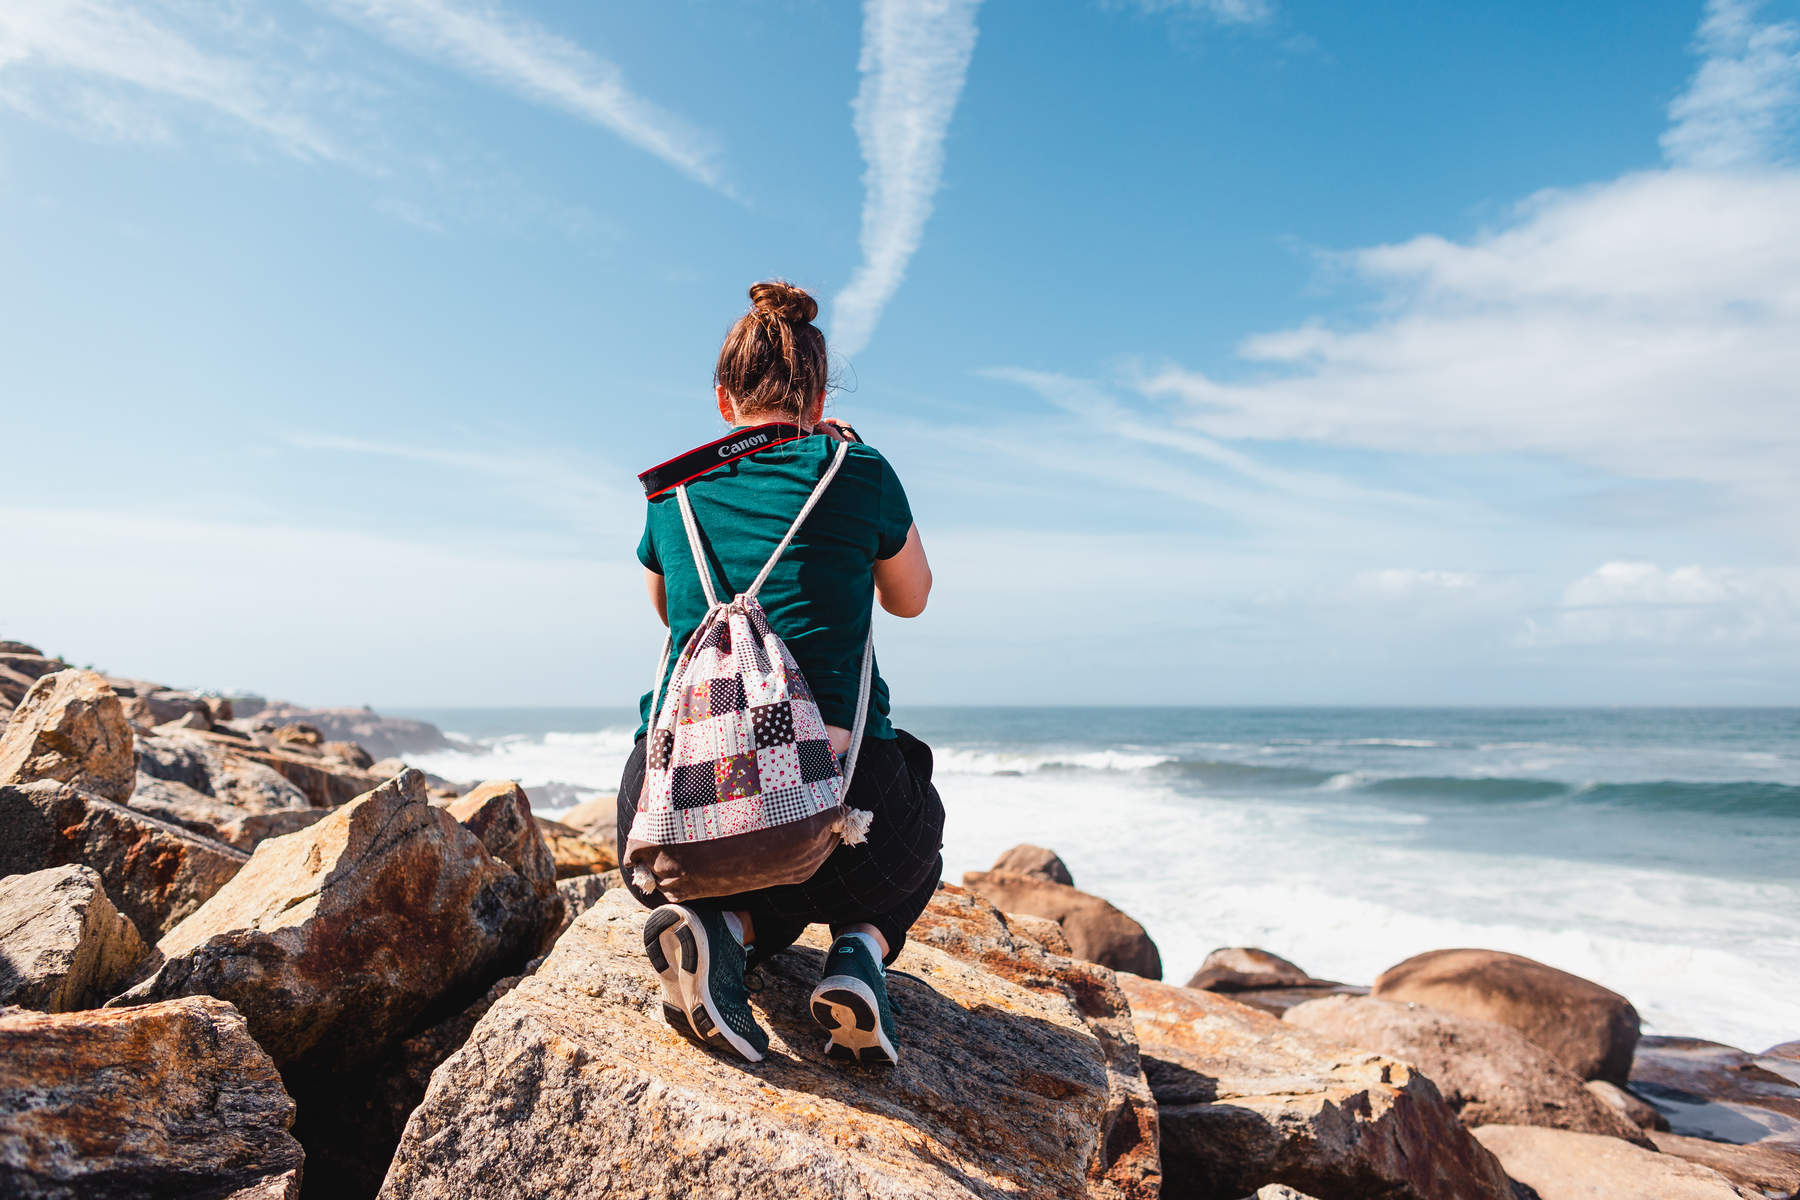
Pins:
<point x="993" y="762"/>
<point x="584" y="764"/>
<point x="1702" y="957"/>
<point x="1345" y="886"/>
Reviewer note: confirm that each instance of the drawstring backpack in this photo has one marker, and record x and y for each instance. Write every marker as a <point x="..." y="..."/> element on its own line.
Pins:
<point x="741" y="788"/>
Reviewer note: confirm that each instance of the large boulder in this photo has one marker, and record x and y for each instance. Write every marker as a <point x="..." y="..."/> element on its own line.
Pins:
<point x="1487" y="1072"/>
<point x="336" y="939"/>
<point x="573" y="1085"/>
<point x="500" y="815"/>
<point x="576" y="853"/>
<point x="1037" y="862"/>
<point x="216" y="767"/>
<point x="1022" y="951"/>
<point x="1589" y="1029"/>
<point x="155" y="872"/>
<point x="597" y="818"/>
<point x="169" y="1100"/>
<point x="325" y="782"/>
<point x="1558" y="1164"/>
<point x="1709" y="1090"/>
<point x="1248" y="1100"/>
<point x="1246" y="968"/>
<point x="70" y="729"/>
<point x="62" y="943"/>
<point x="1763" y="1168"/>
<point x="1098" y="932"/>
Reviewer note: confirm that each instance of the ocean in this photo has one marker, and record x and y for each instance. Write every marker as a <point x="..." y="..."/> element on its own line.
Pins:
<point x="1656" y="851"/>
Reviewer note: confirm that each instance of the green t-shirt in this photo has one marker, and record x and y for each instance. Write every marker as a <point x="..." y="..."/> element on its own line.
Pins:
<point x="818" y="597"/>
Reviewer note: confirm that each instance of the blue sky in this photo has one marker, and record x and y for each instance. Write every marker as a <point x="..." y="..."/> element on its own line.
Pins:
<point x="1242" y="351"/>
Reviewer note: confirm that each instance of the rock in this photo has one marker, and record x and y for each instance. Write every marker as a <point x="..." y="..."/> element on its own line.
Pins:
<point x="8" y="647"/>
<point x="382" y="737"/>
<point x="573" y="1085"/>
<point x="1788" y="1050"/>
<point x="351" y="1125"/>
<point x="1486" y="1072"/>
<point x="500" y="815"/>
<point x="965" y="926"/>
<point x="215" y="767"/>
<point x="1562" y="1165"/>
<point x="298" y="734"/>
<point x="1045" y="934"/>
<point x="1037" y="862"/>
<point x="1764" y="1169"/>
<point x="1245" y="968"/>
<point x="349" y="752"/>
<point x="166" y="1100"/>
<point x="253" y="829"/>
<point x="63" y="945"/>
<point x="597" y="818"/>
<point x="1589" y="1029"/>
<point x="1276" y="1191"/>
<point x="1278" y="1001"/>
<point x="1638" y="1111"/>
<point x="200" y="718"/>
<point x="70" y="729"/>
<point x="1098" y="932"/>
<point x="148" y="705"/>
<point x="325" y="783"/>
<point x="155" y="872"/>
<point x="179" y="804"/>
<point x="1708" y="1090"/>
<point x="573" y="852"/>
<point x="1248" y="1100"/>
<point x="336" y="939"/>
<point x="1761" y="1170"/>
<point x="582" y="892"/>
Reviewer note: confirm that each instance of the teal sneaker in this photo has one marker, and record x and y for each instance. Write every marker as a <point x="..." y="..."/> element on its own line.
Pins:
<point x="701" y="966"/>
<point x="851" y="1002"/>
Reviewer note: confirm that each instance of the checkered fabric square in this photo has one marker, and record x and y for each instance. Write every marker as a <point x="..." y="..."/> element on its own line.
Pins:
<point x="739" y="745"/>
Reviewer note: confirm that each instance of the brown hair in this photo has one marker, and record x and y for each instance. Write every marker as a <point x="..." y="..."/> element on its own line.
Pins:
<point x="773" y="360"/>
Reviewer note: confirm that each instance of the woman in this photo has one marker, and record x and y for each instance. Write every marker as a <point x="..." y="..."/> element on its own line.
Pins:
<point x="858" y="544"/>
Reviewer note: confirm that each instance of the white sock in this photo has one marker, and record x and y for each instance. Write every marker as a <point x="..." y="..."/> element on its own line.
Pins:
<point x="736" y="926"/>
<point x="868" y="939"/>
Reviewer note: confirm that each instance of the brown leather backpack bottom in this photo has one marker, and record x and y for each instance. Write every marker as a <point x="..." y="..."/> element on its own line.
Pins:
<point x="744" y="862"/>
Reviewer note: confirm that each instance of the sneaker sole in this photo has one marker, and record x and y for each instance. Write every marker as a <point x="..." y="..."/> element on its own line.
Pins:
<point x="693" y="965"/>
<point x="663" y="947"/>
<point x="846" y="1007"/>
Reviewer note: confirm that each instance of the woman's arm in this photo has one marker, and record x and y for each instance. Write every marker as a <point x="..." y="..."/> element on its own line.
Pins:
<point x="903" y="582"/>
<point x="659" y="594"/>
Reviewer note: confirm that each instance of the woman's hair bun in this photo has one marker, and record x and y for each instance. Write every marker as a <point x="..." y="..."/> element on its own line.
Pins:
<point x="779" y="298"/>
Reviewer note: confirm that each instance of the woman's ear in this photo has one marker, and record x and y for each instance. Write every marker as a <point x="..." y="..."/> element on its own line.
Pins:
<point x="815" y="412"/>
<point x="727" y="409"/>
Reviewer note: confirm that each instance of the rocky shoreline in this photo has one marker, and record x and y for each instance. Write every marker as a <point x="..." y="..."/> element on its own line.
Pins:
<point x="254" y="954"/>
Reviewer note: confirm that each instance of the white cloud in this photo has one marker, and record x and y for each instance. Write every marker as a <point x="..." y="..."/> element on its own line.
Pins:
<point x="1229" y="12"/>
<point x="915" y="57"/>
<point x="1691" y="607"/>
<point x="1740" y="105"/>
<point x="1643" y="326"/>
<point x="1409" y="581"/>
<point x="526" y="58"/>
<point x="77" y="51"/>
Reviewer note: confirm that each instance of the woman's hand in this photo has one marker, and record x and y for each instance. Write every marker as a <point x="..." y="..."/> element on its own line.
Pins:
<point x="834" y="428"/>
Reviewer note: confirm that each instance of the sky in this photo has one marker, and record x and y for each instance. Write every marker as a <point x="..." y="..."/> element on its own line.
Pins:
<point x="1231" y="351"/>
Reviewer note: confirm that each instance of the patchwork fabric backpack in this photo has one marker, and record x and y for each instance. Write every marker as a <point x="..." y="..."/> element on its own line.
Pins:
<point x="741" y="788"/>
